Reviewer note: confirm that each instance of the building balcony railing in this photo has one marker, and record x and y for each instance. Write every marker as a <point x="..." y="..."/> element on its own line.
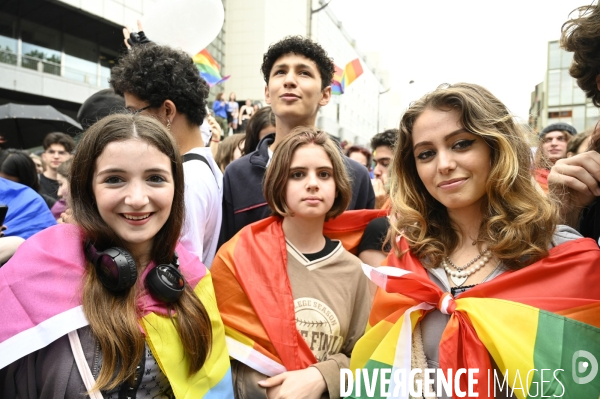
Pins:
<point x="8" y="57"/>
<point x="39" y="64"/>
<point x="100" y="78"/>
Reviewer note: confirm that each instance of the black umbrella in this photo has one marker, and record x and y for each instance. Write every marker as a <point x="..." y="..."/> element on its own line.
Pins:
<point x="25" y="126"/>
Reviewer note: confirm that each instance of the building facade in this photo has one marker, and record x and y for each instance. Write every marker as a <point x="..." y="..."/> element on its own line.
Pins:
<point x="61" y="52"/>
<point x="561" y="100"/>
<point x="252" y="26"/>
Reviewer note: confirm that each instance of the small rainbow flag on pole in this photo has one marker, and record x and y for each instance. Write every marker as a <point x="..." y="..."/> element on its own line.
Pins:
<point x="342" y="79"/>
<point x="336" y="83"/>
<point x="208" y="67"/>
<point x="352" y="71"/>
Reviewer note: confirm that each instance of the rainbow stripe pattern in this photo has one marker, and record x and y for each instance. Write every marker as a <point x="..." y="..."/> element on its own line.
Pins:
<point x="336" y="83"/>
<point x="208" y="68"/>
<point x="343" y="78"/>
<point x="539" y="317"/>
<point x="352" y="71"/>
<point x="250" y="276"/>
<point x="214" y="379"/>
<point x="46" y="305"/>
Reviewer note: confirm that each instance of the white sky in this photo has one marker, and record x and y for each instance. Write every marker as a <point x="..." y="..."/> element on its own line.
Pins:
<point x="501" y="45"/>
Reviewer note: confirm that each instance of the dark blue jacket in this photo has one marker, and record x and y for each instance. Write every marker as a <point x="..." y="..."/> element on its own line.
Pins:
<point x="27" y="211"/>
<point x="220" y="109"/>
<point x="243" y="200"/>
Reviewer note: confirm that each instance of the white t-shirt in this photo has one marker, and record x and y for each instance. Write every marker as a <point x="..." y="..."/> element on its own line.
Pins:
<point x="205" y="131"/>
<point x="270" y="156"/>
<point x="203" y="211"/>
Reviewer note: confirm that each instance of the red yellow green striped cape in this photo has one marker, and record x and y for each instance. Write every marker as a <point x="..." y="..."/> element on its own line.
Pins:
<point x="534" y="318"/>
<point x="254" y="294"/>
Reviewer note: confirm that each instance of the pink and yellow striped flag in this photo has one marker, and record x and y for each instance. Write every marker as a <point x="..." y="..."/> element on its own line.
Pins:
<point x="40" y="302"/>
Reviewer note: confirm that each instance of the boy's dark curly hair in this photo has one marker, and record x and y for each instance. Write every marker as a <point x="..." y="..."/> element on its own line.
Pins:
<point x="387" y="138"/>
<point x="155" y="73"/>
<point x="301" y="46"/>
<point x="581" y="35"/>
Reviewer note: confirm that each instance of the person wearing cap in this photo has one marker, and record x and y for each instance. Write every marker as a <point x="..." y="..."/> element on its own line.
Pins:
<point x="552" y="147"/>
<point x="98" y="105"/>
<point x="575" y="181"/>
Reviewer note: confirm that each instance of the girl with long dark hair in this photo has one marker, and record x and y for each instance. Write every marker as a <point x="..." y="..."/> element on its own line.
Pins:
<point x="113" y="305"/>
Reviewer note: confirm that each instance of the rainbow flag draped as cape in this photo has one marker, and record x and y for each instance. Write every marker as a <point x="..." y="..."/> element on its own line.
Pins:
<point x="536" y="318"/>
<point x="40" y="301"/>
<point x="208" y="67"/>
<point x="343" y="78"/>
<point x="250" y="277"/>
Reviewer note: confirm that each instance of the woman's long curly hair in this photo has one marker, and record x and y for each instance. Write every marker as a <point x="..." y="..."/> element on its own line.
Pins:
<point x="518" y="220"/>
<point x="114" y="318"/>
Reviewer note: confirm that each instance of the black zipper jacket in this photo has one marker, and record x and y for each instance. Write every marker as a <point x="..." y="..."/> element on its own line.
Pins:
<point x="243" y="200"/>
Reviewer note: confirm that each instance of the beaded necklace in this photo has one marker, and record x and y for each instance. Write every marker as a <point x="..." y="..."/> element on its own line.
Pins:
<point x="459" y="275"/>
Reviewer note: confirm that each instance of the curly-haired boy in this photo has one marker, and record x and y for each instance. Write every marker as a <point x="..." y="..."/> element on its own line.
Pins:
<point x="298" y="74"/>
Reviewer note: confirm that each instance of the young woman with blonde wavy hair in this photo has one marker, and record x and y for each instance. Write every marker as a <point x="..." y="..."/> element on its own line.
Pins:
<point x="462" y="185"/>
<point x="478" y="248"/>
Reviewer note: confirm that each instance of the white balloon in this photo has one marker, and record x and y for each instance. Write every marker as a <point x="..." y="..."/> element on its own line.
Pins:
<point x="190" y="25"/>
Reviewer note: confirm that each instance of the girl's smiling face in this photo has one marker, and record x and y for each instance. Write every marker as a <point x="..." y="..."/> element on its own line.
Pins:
<point x="453" y="164"/>
<point x="134" y="189"/>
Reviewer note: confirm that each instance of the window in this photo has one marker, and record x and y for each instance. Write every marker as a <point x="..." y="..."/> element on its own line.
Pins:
<point x="553" y="88"/>
<point x="81" y="60"/>
<point x="591" y="117"/>
<point x="108" y="59"/>
<point x="579" y="118"/>
<point x="560" y="114"/>
<point x="553" y="55"/>
<point x="566" y="59"/>
<point x="566" y="87"/>
<point x="578" y="94"/>
<point x="8" y="39"/>
<point x="41" y="48"/>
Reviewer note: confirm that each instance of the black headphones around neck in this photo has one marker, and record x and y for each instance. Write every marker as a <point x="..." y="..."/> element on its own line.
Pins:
<point x="117" y="272"/>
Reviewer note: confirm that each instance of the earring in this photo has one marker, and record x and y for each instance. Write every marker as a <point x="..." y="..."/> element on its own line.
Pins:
<point x="168" y="125"/>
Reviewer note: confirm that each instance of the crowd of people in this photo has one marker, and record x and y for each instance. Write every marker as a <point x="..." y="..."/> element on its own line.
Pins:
<point x="231" y="116"/>
<point x="162" y="257"/>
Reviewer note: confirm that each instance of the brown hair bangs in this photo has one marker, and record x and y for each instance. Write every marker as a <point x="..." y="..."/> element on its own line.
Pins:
<point x="275" y="183"/>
